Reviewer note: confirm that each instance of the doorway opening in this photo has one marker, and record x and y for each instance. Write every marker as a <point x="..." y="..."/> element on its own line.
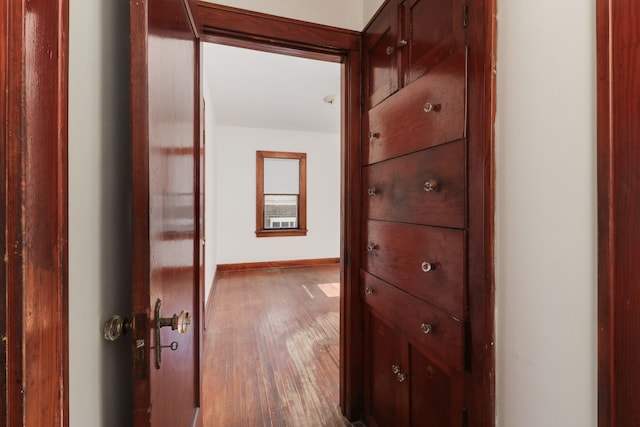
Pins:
<point x="266" y="33"/>
<point x="284" y="350"/>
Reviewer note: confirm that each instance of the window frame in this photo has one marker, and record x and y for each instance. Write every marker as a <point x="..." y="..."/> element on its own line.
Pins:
<point x="301" y="230"/>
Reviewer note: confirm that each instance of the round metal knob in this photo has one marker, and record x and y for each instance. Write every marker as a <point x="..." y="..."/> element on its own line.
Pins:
<point x="374" y="135"/>
<point x="395" y="369"/>
<point x="368" y="291"/>
<point x="426" y="328"/>
<point x="427" y="266"/>
<point x="390" y="50"/>
<point x="429" y="107"/>
<point x="372" y="191"/>
<point x="431" y="186"/>
<point x="401" y="377"/>
<point x="402" y="43"/>
<point x="115" y="327"/>
<point x="371" y="247"/>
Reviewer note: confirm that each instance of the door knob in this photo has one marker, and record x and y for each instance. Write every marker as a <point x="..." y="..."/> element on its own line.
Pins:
<point x="115" y="327"/>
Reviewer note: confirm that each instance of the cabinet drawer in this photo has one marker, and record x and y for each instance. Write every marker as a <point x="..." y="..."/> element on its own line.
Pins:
<point x="427" y="262"/>
<point x="429" y="329"/>
<point x="427" y="187"/>
<point x="428" y="112"/>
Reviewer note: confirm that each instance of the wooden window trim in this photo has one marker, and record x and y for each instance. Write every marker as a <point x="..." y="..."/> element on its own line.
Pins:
<point x="302" y="197"/>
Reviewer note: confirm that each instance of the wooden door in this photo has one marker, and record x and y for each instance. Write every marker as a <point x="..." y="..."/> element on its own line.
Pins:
<point x="164" y="118"/>
<point x="618" y="212"/>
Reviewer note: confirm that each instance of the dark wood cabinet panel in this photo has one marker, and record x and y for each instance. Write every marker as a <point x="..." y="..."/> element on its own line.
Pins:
<point x="436" y="393"/>
<point x="427" y="187"/>
<point x="427" y="262"/>
<point x="405" y="387"/>
<point x="381" y="74"/>
<point x="426" y="327"/>
<point x="426" y="200"/>
<point x="386" y="394"/>
<point x="429" y="112"/>
<point x="434" y="30"/>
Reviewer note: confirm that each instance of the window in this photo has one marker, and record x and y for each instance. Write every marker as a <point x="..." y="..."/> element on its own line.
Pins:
<point x="281" y="194"/>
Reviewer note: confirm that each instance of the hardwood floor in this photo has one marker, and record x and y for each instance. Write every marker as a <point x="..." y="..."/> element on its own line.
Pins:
<point x="271" y="349"/>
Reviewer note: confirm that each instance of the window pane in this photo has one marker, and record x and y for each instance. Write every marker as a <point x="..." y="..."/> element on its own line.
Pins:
<point x="280" y="211"/>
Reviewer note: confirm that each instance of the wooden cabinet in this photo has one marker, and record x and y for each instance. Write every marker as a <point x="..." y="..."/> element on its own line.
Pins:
<point x="406" y="39"/>
<point x="404" y="387"/>
<point x="414" y="203"/>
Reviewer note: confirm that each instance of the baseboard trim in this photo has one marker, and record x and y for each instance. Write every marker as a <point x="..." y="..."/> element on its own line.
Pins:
<point x="278" y="264"/>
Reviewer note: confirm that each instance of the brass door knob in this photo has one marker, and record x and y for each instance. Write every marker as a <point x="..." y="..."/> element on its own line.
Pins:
<point x="115" y="327"/>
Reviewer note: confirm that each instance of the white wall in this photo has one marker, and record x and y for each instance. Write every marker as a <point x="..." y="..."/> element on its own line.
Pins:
<point x="370" y="7"/>
<point x="336" y="13"/>
<point x="211" y="191"/>
<point x="546" y="214"/>
<point x="236" y="176"/>
<point x="99" y="215"/>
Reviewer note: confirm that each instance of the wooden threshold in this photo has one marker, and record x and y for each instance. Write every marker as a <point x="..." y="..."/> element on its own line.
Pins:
<point x="278" y="264"/>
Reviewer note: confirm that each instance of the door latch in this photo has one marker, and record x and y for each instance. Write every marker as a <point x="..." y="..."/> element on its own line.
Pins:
<point x="178" y="322"/>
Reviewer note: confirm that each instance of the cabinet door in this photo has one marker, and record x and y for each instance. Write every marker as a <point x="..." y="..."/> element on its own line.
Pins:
<point x="380" y="55"/>
<point x="387" y="397"/>
<point x="434" y="31"/>
<point x="436" y="393"/>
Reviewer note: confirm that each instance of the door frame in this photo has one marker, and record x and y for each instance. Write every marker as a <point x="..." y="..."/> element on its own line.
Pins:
<point x="269" y="33"/>
<point x="34" y="320"/>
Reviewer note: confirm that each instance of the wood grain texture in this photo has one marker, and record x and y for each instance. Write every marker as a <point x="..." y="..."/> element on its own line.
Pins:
<point x="618" y="211"/>
<point x="446" y="340"/>
<point x="165" y="107"/>
<point x="272" y="349"/>
<point x="34" y="54"/>
<point x="399" y="187"/>
<point x="434" y="32"/>
<point x="395" y="253"/>
<point x="402" y="117"/>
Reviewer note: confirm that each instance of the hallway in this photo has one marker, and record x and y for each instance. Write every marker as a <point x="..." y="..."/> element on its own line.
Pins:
<point x="271" y="351"/>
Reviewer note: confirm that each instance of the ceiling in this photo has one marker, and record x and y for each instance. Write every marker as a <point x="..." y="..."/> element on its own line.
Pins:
<point x="257" y="89"/>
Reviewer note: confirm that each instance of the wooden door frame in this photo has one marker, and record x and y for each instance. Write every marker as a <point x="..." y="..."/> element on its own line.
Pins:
<point x="34" y="144"/>
<point x="606" y="417"/>
<point x="242" y="28"/>
<point x="612" y="174"/>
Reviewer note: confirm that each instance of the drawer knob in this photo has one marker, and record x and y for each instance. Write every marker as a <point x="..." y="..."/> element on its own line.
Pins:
<point x="390" y="50"/>
<point x="372" y="247"/>
<point x="368" y="291"/>
<point x="402" y="43"/>
<point x="398" y="373"/>
<point x="372" y="191"/>
<point x="431" y="186"/>
<point x="427" y="266"/>
<point x="431" y="108"/>
<point x="373" y="135"/>
<point x="426" y="328"/>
